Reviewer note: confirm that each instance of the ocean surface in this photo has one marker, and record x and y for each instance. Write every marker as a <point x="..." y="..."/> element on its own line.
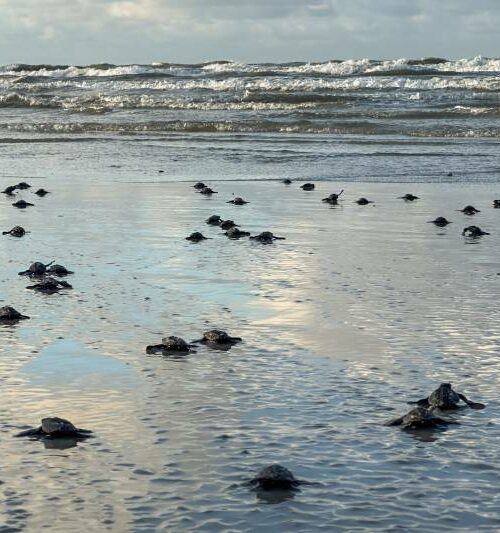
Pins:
<point x="359" y="310"/>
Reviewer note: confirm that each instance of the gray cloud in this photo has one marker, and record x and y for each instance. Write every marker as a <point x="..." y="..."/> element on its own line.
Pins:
<point x="84" y="31"/>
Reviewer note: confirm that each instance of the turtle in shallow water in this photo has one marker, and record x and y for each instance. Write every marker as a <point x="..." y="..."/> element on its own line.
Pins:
<point x="41" y="192"/>
<point x="23" y="185"/>
<point x="419" y="418"/>
<point x="200" y="185"/>
<point x="238" y="201"/>
<point x="58" y="270"/>
<point x="469" y="210"/>
<point x="170" y="345"/>
<point x="364" y="201"/>
<point x="49" y="286"/>
<point x="9" y="315"/>
<point x="55" y="427"/>
<point x="445" y="398"/>
<point x="440" y="221"/>
<point x="275" y="477"/>
<point x="196" y="237"/>
<point x="473" y="231"/>
<point x="9" y="191"/>
<point x="236" y="233"/>
<point x="409" y="197"/>
<point x="266" y="237"/>
<point x="16" y="231"/>
<point x="496" y="204"/>
<point x="22" y="204"/>
<point x="286" y="181"/>
<point x="207" y="191"/>
<point x="333" y="199"/>
<point x="308" y="187"/>
<point x="36" y="270"/>
<point x="228" y="224"/>
<point x="218" y="337"/>
<point x="214" y="220"/>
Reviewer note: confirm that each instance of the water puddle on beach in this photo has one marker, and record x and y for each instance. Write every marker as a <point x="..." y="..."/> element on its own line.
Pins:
<point x="358" y="311"/>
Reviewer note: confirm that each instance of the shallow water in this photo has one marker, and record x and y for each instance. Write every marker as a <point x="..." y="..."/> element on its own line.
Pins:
<point x="359" y="310"/>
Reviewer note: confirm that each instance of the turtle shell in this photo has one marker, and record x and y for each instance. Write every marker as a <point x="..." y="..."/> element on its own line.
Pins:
<point x="58" y="426"/>
<point x="9" y="314"/>
<point x="275" y="477"/>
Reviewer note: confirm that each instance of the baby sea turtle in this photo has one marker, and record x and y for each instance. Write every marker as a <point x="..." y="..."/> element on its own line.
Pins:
<point x="275" y="477"/>
<point x="58" y="270"/>
<point x="36" y="270"/>
<point x="419" y="418"/>
<point x="409" y="197"/>
<point x="49" y="286"/>
<point x="200" y="185"/>
<point x="41" y="192"/>
<point x="236" y="233"/>
<point x="440" y="221"/>
<point x="10" y="315"/>
<point x="196" y="237"/>
<point x="23" y="186"/>
<point x="16" y="231"/>
<point x="286" y="181"/>
<point x="170" y="345"/>
<point x="496" y="204"/>
<point x="266" y="237"/>
<point x="207" y="191"/>
<point x="333" y="199"/>
<point x="9" y="191"/>
<point x="363" y="201"/>
<point x="55" y="427"/>
<point x="444" y="398"/>
<point x="237" y="201"/>
<point x="307" y="187"/>
<point x="469" y="210"/>
<point x="228" y="224"/>
<point x="22" y="204"/>
<point x="218" y="337"/>
<point x="473" y="231"/>
<point x="214" y="220"/>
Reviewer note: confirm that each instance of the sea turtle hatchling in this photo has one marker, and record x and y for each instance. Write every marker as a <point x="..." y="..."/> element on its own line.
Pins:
<point x="419" y="418"/>
<point x="49" y="286"/>
<point x="440" y="221"/>
<point x="333" y="199"/>
<point x="42" y="192"/>
<point x="473" y="232"/>
<point x="36" y="270"/>
<point x="214" y="220"/>
<point x="445" y="398"/>
<point x="238" y="201"/>
<point x="58" y="270"/>
<point x="55" y="427"/>
<point x="22" y="204"/>
<point x="496" y="204"/>
<point x="236" y="233"/>
<point x="207" y="191"/>
<point x="228" y="224"/>
<point x="170" y="345"/>
<point x="218" y="337"/>
<point x="275" y="477"/>
<point x="9" y="315"/>
<point x="16" y="231"/>
<point x="200" y="185"/>
<point x="266" y="237"/>
<point x="196" y="237"/>
<point x="364" y="201"/>
<point x="308" y="187"/>
<point x="409" y="197"/>
<point x="469" y="210"/>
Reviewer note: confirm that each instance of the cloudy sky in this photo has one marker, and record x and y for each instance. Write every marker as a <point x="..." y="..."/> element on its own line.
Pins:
<point x="126" y="31"/>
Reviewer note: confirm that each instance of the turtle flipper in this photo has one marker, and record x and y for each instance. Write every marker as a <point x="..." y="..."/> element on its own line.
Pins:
<point x="424" y="402"/>
<point x="472" y="405"/>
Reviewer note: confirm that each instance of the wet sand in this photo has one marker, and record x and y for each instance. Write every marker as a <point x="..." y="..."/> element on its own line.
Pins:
<point x="359" y="310"/>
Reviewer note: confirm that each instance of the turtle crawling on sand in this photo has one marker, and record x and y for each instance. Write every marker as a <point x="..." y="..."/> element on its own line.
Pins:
<point x="409" y="197"/>
<point x="41" y="192"/>
<point x="49" y="286"/>
<point x="286" y="181"/>
<point x="22" y="204"/>
<point x="266" y="237"/>
<point x="170" y="345"/>
<point x="236" y="233"/>
<point x="237" y="201"/>
<point x="9" y="191"/>
<point x="364" y="201"/>
<point x="496" y="204"/>
<point x="200" y="185"/>
<point x="36" y="270"/>
<point x="16" y="231"/>
<point x="474" y="232"/>
<point x="419" y="418"/>
<point x="214" y="220"/>
<point x="445" y="398"/>
<point x="55" y="427"/>
<point x="58" y="270"/>
<point x="275" y="477"/>
<point x="218" y="337"/>
<point x="196" y="237"/>
<point x="333" y="199"/>
<point x="10" y="315"/>
<point x="440" y="221"/>
<point x="308" y="187"/>
<point x="207" y="191"/>
<point x="469" y="210"/>
<point x="228" y="224"/>
<point x="23" y="186"/>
